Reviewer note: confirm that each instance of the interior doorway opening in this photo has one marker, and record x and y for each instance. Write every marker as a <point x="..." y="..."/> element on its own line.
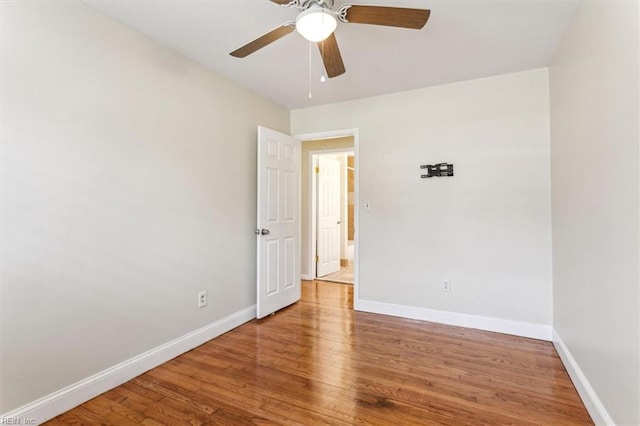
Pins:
<point x="333" y="143"/>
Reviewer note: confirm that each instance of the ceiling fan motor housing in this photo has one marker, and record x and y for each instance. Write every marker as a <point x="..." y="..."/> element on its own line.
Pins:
<point x="306" y="4"/>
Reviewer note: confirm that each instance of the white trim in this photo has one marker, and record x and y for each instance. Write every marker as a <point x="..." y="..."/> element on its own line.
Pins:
<point x="356" y="221"/>
<point x="524" y="329"/>
<point x="594" y="406"/>
<point x="67" y="398"/>
<point x="333" y="280"/>
<point x="331" y="134"/>
<point x="355" y="133"/>
<point x="306" y="277"/>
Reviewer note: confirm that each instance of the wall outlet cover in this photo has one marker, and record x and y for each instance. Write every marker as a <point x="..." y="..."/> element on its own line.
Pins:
<point x="202" y="299"/>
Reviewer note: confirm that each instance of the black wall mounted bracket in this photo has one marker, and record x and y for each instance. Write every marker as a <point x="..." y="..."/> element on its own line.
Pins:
<point x="437" y="170"/>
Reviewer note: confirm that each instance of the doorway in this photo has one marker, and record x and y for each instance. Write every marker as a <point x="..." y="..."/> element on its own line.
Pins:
<point x="332" y="142"/>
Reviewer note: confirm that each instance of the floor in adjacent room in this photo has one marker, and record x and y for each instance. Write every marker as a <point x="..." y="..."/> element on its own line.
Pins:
<point x="320" y="362"/>
<point x="344" y="275"/>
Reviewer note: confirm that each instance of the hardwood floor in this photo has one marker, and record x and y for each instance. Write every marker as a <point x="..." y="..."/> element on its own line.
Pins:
<point x="319" y="362"/>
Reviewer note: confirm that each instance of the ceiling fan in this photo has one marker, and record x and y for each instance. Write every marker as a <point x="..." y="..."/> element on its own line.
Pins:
<point x="317" y="22"/>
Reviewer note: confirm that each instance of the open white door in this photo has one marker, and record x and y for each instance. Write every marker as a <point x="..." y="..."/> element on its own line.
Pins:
<point x="328" y="239"/>
<point x="278" y="260"/>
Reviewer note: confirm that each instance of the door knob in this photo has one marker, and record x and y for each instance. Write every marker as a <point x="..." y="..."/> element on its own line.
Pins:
<point x="264" y="231"/>
<point x="339" y="222"/>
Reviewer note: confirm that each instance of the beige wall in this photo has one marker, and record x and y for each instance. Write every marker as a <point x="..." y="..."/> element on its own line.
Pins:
<point x="307" y="147"/>
<point x="343" y="206"/>
<point x="351" y="177"/>
<point x="595" y="195"/>
<point x="487" y="229"/>
<point x="128" y="186"/>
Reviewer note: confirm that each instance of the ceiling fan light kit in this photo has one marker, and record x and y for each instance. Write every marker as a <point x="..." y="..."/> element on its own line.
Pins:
<point x="317" y="23"/>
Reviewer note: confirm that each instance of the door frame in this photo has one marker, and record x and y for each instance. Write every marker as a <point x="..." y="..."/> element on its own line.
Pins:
<point x="311" y="249"/>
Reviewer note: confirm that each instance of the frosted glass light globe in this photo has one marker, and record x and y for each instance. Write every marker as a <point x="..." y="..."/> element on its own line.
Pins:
<point x="316" y="24"/>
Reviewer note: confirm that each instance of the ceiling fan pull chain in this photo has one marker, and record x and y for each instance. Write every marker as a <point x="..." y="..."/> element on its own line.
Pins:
<point x="310" y="70"/>
<point x="322" y="77"/>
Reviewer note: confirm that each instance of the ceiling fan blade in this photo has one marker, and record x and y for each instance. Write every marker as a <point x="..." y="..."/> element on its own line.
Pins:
<point x="331" y="56"/>
<point x="282" y="2"/>
<point x="263" y="41"/>
<point x="388" y="16"/>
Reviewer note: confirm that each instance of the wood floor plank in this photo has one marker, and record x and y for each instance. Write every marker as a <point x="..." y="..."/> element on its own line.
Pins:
<point x="288" y="358"/>
<point x="318" y="362"/>
<point x="78" y="416"/>
<point x="384" y="375"/>
<point x="153" y="411"/>
<point x="114" y="411"/>
<point x="244" y="397"/>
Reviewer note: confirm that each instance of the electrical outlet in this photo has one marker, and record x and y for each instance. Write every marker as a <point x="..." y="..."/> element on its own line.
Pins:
<point x="446" y="286"/>
<point x="202" y="299"/>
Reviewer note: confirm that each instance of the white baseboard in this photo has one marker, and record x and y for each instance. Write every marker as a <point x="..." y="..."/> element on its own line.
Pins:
<point x="65" y="399"/>
<point x="596" y="409"/>
<point x="524" y="329"/>
<point x="307" y="277"/>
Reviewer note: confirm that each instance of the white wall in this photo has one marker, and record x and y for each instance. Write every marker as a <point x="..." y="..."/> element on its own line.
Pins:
<point x="128" y="185"/>
<point x="595" y="195"/>
<point x="487" y="229"/>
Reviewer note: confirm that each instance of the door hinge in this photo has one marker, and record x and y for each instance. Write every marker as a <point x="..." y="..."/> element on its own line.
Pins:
<point x="317" y="169"/>
<point x="317" y="259"/>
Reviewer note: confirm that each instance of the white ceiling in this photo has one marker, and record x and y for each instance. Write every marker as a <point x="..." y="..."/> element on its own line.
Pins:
<point x="463" y="40"/>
